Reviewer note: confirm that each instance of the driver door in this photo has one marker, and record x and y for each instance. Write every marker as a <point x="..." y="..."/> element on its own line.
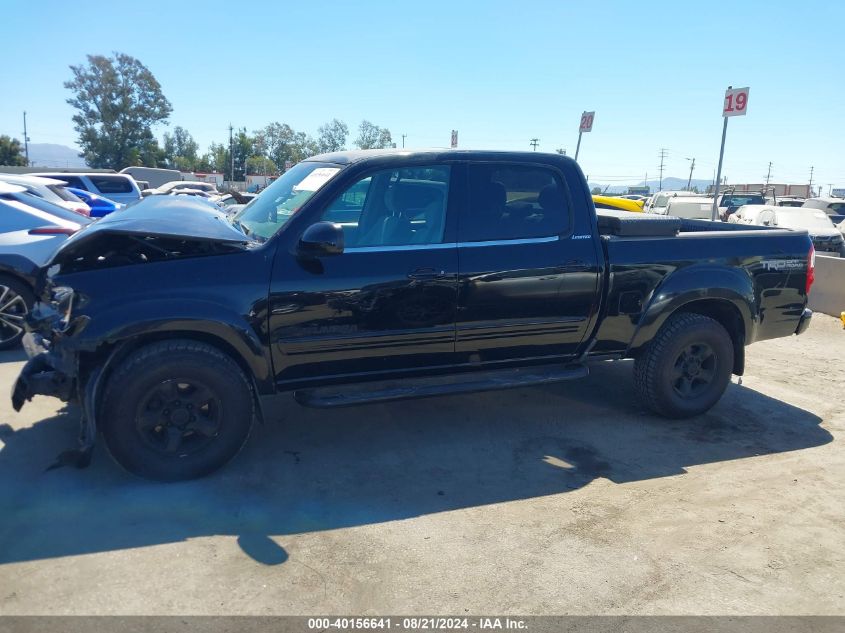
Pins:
<point x="387" y="302"/>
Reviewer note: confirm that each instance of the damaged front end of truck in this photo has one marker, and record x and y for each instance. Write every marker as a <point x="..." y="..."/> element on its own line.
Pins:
<point x="68" y="361"/>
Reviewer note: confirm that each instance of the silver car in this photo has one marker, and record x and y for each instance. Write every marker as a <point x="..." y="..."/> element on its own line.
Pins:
<point x="31" y="229"/>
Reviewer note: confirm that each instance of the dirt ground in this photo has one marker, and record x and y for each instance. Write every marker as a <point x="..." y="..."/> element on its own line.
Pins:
<point x="564" y="499"/>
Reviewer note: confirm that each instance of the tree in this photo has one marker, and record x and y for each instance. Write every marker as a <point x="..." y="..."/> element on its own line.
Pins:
<point x="180" y="149"/>
<point x="242" y="147"/>
<point x="371" y="136"/>
<point x="118" y="100"/>
<point x="10" y="152"/>
<point x="332" y="136"/>
<point x="281" y="144"/>
<point x="596" y="191"/>
<point x="216" y="159"/>
<point x="261" y="165"/>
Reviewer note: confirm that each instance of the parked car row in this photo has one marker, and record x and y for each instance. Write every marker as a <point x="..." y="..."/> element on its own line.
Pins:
<point x="822" y="218"/>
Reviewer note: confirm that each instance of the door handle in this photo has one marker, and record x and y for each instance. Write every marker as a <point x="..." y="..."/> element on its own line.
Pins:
<point x="424" y="274"/>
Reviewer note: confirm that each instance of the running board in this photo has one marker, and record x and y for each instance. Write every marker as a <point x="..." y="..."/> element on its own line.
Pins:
<point x="451" y="384"/>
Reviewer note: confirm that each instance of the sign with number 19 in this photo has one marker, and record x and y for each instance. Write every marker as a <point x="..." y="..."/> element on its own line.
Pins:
<point x="736" y="102"/>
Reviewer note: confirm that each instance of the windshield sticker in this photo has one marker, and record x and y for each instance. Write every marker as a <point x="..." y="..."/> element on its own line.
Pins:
<point x="316" y="179"/>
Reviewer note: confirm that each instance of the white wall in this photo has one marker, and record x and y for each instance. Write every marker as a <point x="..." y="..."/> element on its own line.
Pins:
<point x="828" y="292"/>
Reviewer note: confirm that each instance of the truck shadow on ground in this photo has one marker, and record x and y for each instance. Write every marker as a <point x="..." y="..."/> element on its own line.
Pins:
<point x="309" y="470"/>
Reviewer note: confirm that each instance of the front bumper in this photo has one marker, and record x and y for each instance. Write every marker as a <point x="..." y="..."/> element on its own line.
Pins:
<point x="804" y="321"/>
<point x="45" y="373"/>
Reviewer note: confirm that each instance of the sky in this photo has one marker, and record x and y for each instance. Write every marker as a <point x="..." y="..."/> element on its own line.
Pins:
<point x="500" y="72"/>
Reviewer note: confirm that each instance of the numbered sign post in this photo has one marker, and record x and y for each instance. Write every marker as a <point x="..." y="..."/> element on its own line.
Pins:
<point x="736" y="104"/>
<point x="585" y="126"/>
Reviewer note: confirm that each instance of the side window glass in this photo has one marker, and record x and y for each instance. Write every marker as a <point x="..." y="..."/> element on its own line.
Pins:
<point x="393" y="207"/>
<point x="514" y="202"/>
<point x="107" y="185"/>
<point x="72" y="181"/>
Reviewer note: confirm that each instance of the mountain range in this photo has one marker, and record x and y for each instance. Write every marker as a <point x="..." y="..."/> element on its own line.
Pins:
<point x="670" y="183"/>
<point x="53" y="155"/>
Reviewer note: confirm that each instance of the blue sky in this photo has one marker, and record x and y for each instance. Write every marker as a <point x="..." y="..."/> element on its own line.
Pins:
<point x="500" y="72"/>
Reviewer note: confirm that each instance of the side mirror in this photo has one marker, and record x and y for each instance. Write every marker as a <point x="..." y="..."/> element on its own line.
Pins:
<point x="321" y="240"/>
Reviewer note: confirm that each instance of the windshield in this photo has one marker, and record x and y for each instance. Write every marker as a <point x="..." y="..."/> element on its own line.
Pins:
<point x="63" y="193"/>
<point x="804" y="220"/>
<point x="274" y="206"/>
<point x="734" y="200"/>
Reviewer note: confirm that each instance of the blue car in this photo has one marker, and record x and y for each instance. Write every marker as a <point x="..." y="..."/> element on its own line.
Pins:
<point x="100" y="206"/>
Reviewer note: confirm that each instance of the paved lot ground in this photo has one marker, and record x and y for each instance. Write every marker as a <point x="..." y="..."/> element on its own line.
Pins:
<point x="560" y="499"/>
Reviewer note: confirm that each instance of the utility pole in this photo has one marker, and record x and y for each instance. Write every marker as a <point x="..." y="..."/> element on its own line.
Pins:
<point x="25" y="139"/>
<point x="829" y="189"/>
<point x="231" y="156"/>
<point x="534" y="143"/>
<point x="691" y="167"/>
<point x="403" y="140"/>
<point x="811" y="181"/>
<point x="768" y="175"/>
<point x="662" y="157"/>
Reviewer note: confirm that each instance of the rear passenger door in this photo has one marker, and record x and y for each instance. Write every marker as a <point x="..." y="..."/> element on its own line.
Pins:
<point x="525" y="289"/>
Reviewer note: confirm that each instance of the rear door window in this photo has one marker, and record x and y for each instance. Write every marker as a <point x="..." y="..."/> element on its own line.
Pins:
<point x="510" y="202"/>
<point x="72" y="181"/>
<point x="111" y="184"/>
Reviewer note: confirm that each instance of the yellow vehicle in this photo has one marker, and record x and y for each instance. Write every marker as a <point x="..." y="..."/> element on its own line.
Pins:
<point x="617" y="204"/>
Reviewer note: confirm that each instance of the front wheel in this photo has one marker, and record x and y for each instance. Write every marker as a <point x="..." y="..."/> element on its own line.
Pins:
<point x="686" y="368"/>
<point x="16" y="301"/>
<point x="176" y="410"/>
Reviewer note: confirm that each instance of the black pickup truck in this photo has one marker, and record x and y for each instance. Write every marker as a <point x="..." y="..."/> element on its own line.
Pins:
<point x="378" y="275"/>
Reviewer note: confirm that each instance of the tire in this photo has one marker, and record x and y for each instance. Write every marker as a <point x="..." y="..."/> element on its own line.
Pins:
<point x="686" y="368"/>
<point x="176" y="410"/>
<point x="16" y="301"/>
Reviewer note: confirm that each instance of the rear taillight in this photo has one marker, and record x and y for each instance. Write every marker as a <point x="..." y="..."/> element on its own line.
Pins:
<point x="52" y="230"/>
<point x="86" y="211"/>
<point x="811" y="269"/>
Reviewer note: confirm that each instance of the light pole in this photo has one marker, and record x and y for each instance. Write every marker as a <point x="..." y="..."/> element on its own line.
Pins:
<point x="691" y="167"/>
<point x="25" y="139"/>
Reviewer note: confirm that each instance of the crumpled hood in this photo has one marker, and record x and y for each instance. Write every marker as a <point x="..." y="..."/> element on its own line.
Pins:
<point x="154" y="229"/>
<point x="166" y="216"/>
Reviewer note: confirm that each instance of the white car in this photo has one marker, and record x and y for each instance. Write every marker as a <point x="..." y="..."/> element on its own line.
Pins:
<point x="50" y="190"/>
<point x="690" y="207"/>
<point x="176" y="185"/>
<point x="785" y="201"/>
<point x="827" y="238"/>
<point x="660" y="200"/>
<point x="117" y="187"/>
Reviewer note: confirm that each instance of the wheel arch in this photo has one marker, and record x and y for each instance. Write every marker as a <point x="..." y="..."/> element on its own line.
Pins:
<point x="724" y="295"/>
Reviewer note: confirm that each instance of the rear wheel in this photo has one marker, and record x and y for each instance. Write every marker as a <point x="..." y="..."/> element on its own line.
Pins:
<point x="686" y="367"/>
<point x="176" y="410"/>
<point x="16" y="301"/>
